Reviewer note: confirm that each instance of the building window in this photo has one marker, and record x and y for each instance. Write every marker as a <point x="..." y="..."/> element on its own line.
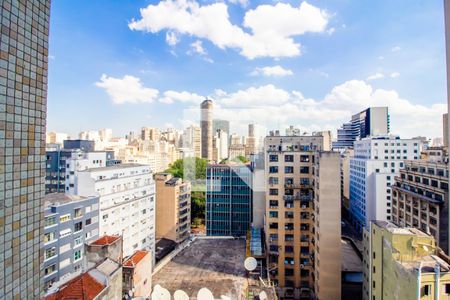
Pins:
<point x="304" y="170"/>
<point x="77" y="255"/>
<point x="288" y="170"/>
<point x="447" y="288"/>
<point x="88" y="221"/>
<point x="273" y="191"/>
<point x="49" y="221"/>
<point x="426" y="290"/>
<point x="273" y="169"/>
<point x="78" y="212"/>
<point x="49" y="253"/>
<point x="273" y="158"/>
<point x="289" y="158"/>
<point x="64" y="218"/>
<point x="49" y="237"/>
<point x="50" y="269"/>
<point x="78" y="241"/>
<point x="78" y="226"/>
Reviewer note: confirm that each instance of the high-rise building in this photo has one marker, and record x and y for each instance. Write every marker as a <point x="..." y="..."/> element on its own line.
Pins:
<point x="150" y="134"/>
<point x="420" y="199"/>
<point x="23" y="105"/>
<point x="173" y="208"/>
<point x="403" y="263"/>
<point x="372" y="121"/>
<point x="223" y="125"/>
<point x="373" y="166"/>
<point x="228" y="199"/>
<point x="127" y="202"/>
<point x="207" y="129"/>
<point x="56" y="138"/>
<point x="192" y="140"/>
<point x="300" y="180"/>
<point x="70" y="222"/>
<point x="445" y="129"/>
<point x="220" y="146"/>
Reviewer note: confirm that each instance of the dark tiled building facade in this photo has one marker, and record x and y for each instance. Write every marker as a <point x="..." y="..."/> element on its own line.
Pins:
<point x="23" y="92"/>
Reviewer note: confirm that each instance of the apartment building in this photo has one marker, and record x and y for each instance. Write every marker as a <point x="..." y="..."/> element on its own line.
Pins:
<point x="420" y="199"/>
<point x="137" y="275"/>
<point x="173" y="208"/>
<point x="372" y="121"/>
<point x="299" y="177"/>
<point x="403" y="263"/>
<point x="127" y="203"/>
<point x="70" y="222"/>
<point x="373" y="166"/>
<point x="220" y="145"/>
<point x="192" y="139"/>
<point x="228" y="199"/>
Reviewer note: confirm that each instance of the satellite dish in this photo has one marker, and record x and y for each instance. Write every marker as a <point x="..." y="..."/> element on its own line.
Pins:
<point x="223" y="297"/>
<point x="160" y="293"/>
<point x="250" y="264"/>
<point x="180" y="295"/>
<point x="262" y="295"/>
<point x="205" y="294"/>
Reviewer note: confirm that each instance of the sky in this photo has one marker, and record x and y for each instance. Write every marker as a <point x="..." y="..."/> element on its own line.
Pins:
<point x="312" y="64"/>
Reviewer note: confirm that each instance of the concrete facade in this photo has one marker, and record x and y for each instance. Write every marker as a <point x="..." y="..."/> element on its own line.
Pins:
<point x="137" y="274"/>
<point x="23" y="113"/>
<point x="173" y="208"/>
<point x="127" y="202"/>
<point x="294" y="176"/>
<point x="206" y="125"/>
<point x="70" y="222"/>
<point x="375" y="163"/>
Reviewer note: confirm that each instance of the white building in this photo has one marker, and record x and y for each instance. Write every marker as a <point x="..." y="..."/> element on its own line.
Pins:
<point x="375" y="163"/>
<point x="127" y="203"/>
<point x="220" y="145"/>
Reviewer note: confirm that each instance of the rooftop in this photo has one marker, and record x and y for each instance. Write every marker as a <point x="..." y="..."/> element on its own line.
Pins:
<point x="391" y="227"/>
<point x="428" y="264"/>
<point x="62" y="198"/>
<point x="105" y="240"/>
<point x="135" y="258"/>
<point x="81" y="287"/>
<point x="115" y="167"/>
<point x="351" y="258"/>
<point x="217" y="264"/>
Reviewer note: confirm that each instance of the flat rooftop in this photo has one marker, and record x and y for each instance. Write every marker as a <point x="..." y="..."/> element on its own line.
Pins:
<point x="62" y="198"/>
<point x="351" y="260"/>
<point x="391" y="227"/>
<point x="217" y="264"/>
<point x="115" y="167"/>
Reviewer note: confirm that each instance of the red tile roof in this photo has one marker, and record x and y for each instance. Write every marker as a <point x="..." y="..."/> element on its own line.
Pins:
<point x="135" y="258"/>
<point x="105" y="240"/>
<point x="83" y="287"/>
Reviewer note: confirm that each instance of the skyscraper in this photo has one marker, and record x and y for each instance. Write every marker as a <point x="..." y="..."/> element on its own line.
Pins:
<point x="207" y="129"/>
<point x="23" y="92"/>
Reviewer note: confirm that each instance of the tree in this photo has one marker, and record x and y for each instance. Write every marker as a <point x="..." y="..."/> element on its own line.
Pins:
<point x="178" y="168"/>
<point x="237" y="159"/>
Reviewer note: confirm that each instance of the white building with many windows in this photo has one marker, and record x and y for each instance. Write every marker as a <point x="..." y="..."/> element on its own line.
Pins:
<point x="127" y="203"/>
<point x="375" y="163"/>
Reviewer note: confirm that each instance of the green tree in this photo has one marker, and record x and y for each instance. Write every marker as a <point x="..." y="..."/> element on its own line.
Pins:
<point x="178" y="168"/>
<point x="237" y="159"/>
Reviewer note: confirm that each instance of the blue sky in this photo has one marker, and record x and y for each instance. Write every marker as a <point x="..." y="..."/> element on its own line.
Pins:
<point x="323" y="61"/>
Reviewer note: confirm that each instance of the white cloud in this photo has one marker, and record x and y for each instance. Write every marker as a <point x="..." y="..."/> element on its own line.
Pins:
<point x="331" y="30"/>
<point x="126" y="89"/>
<point x="197" y="47"/>
<point x="396" y="49"/>
<point x="395" y="74"/>
<point x="263" y="95"/>
<point x="242" y="3"/>
<point x="276" y="71"/>
<point x="173" y="96"/>
<point x="266" y="34"/>
<point x="171" y="38"/>
<point x="375" y="76"/>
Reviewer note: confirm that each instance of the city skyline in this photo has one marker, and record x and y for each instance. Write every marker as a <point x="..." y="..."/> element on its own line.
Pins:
<point x="114" y="82"/>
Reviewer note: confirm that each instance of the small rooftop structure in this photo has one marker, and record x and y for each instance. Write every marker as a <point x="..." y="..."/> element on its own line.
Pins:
<point x="399" y="230"/>
<point x="163" y="247"/>
<point x="134" y="259"/>
<point x="84" y="287"/>
<point x="115" y="167"/>
<point x="105" y="240"/>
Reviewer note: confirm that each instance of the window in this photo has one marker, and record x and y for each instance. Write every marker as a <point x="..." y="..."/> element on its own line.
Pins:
<point x="288" y="170"/>
<point x="49" y="221"/>
<point x="273" y="191"/>
<point x="89" y="221"/>
<point x="273" y="169"/>
<point x="78" y="226"/>
<point x="273" y="158"/>
<point x="49" y="237"/>
<point x="64" y="218"/>
<point x="447" y="288"/>
<point x="50" y="269"/>
<point x="289" y="158"/>
<point x="77" y="255"/>
<point x="304" y="170"/>
<point x="426" y="290"/>
<point x="78" y="241"/>
<point x="78" y="212"/>
<point x="50" y="252"/>
<point x="273" y="214"/>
